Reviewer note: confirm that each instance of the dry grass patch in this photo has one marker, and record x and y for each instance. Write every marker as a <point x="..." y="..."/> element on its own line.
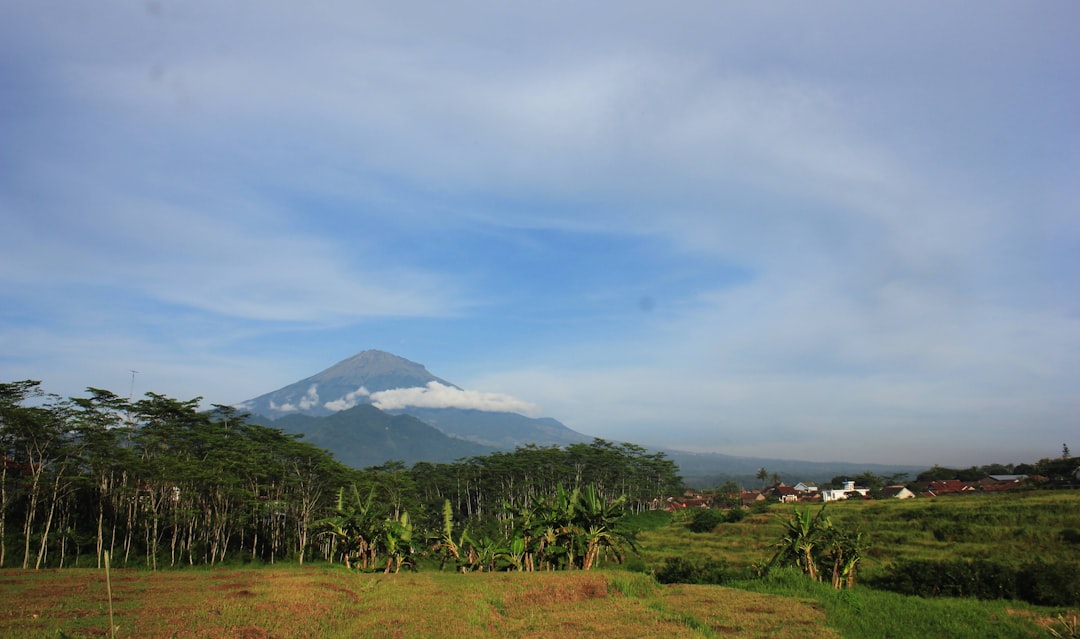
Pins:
<point x="737" y="613"/>
<point x="331" y="603"/>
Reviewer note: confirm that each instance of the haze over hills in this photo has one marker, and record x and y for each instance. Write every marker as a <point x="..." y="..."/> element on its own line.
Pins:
<point x="376" y="406"/>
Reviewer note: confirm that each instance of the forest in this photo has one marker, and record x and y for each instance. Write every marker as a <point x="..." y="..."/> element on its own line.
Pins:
<point x="157" y="482"/>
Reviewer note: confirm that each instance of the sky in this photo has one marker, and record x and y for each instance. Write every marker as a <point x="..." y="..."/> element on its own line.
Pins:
<point x="820" y="231"/>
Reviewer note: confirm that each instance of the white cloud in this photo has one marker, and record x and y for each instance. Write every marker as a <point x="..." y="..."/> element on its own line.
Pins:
<point x="436" y="395"/>
<point x="348" y="401"/>
<point x="308" y="401"/>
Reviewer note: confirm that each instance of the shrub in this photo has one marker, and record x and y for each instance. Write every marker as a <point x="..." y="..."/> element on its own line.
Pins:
<point x="705" y="520"/>
<point x="1039" y="583"/>
<point x="1070" y="536"/>
<point x="679" y="570"/>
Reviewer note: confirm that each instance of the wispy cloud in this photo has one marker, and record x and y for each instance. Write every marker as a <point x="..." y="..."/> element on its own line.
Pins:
<point x="436" y="395"/>
<point x="349" y="400"/>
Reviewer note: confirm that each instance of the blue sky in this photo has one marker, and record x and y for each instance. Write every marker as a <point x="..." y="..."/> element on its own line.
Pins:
<point x="824" y="231"/>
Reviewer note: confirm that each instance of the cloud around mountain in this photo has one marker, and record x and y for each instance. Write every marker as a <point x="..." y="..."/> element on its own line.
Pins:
<point x="308" y="401"/>
<point x="433" y="395"/>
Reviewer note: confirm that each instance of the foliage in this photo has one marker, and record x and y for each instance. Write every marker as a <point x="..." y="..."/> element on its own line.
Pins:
<point x="159" y="482"/>
<point x="1065" y="626"/>
<point x="819" y="548"/>
<point x="680" y="570"/>
<point x="1036" y="582"/>
<point x="706" y="519"/>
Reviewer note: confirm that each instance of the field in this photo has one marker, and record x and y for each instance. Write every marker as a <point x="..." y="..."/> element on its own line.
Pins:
<point x="1014" y="527"/>
<point x="322" y="602"/>
<point x="328" y="601"/>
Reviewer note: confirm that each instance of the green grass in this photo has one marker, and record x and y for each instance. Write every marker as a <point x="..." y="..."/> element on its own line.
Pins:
<point x="1005" y="526"/>
<point x="1011" y="528"/>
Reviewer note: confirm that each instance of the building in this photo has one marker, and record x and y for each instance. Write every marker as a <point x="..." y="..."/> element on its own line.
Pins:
<point x="847" y="491"/>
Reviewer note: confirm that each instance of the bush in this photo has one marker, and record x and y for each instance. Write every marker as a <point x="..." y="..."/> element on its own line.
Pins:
<point x="705" y="520"/>
<point x="1039" y="583"/>
<point x="678" y="570"/>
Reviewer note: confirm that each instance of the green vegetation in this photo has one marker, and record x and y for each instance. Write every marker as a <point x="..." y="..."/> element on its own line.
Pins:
<point x="159" y="483"/>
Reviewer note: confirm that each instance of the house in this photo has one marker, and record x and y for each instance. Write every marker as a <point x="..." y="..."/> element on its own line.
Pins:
<point x="805" y="488"/>
<point x="689" y="500"/>
<point x="750" y="497"/>
<point x="993" y="483"/>
<point x="897" y="492"/>
<point x="845" y="492"/>
<point x="947" y="487"/>
<point x="786" y="494"/>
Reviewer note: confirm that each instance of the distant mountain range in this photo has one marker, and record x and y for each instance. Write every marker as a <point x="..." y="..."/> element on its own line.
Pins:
<point x="375" y="406"/>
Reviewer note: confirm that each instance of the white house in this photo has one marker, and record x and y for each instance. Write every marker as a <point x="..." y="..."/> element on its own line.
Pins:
<point x="836" y="494"/>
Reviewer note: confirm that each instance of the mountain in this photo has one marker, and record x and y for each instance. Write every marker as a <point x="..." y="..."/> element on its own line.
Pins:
<point x="365" y="436"/>
<point x="343" y="385"/>
<point x="375" y="378"/>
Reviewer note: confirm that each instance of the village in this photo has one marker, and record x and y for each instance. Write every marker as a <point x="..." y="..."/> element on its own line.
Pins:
<point x="744" y="498"/>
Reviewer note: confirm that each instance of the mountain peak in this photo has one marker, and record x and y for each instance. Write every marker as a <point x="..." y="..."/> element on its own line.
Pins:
<point x="345" y="384"/>
<point x="380" y="367"/>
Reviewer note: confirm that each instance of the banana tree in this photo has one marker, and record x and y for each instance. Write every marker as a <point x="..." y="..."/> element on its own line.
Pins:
<point x="397" y="542"/>
<point x="843" y="551"/>
<point x="514" y="554"/>
<point x="482" y="553"/>
<point x="444" y="544"/>
<point x="596" y="520"/>
<point x="799" y="544"/>
<point x="354" y="527"/>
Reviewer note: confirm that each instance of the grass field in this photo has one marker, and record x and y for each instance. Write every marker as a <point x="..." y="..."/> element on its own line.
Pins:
<point x="322" y="601"/>
<point x="329" y="602"/>
<point x="1007" y="526"/>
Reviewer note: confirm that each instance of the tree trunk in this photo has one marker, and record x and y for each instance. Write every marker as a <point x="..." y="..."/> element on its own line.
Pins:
<point x="48" y="521"/>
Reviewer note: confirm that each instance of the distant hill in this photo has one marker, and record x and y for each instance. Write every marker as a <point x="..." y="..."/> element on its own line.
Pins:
<point x="365" y="436"/>
<point x="707" y="470"/>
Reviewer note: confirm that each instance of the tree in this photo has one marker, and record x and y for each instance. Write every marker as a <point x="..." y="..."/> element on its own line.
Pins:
<point x="762" y="474"/>
<point x="819" y="548"/>
<point x="799" y="542"/>
<point x="354" y="527"/>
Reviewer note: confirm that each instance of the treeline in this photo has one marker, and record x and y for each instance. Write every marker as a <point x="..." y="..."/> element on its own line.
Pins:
<point x="159" y="482"/>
